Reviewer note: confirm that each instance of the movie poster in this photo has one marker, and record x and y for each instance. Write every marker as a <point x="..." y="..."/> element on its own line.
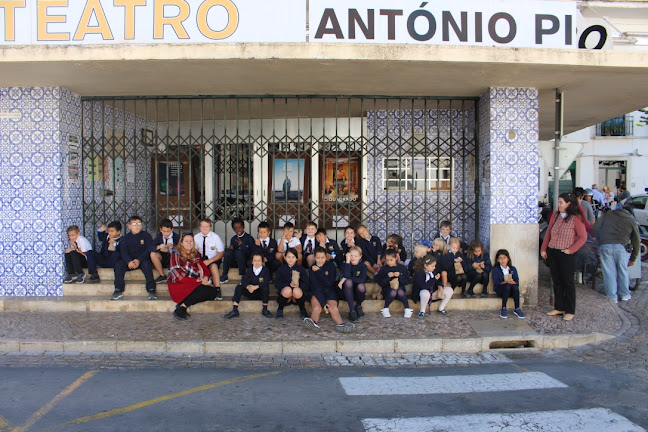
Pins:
<point x="171" y="178"/>
<point x="288" y="180"/>
<point x="341" y="179"/>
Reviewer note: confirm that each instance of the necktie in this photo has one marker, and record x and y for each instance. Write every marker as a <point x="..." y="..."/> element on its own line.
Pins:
<point x="204" y="249"/>
<point x="165" y="241"/>
<point x="264" y="244"/>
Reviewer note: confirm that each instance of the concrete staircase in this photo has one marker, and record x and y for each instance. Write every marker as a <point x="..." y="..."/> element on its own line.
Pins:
<point x="95" y="298"/>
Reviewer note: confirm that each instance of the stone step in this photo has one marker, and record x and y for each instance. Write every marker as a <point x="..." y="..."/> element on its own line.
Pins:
<point x="142" y="304"/>
<point x="107" y="274"/>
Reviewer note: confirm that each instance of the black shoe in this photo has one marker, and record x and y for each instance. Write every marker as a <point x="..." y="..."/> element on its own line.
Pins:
<point x="266" y="313"/>
<point x="465" y="294"/>
<point x="444" y="312"/>
<point x="344" y="328"/>
<point x="94" y="278"/>
<point x="484" y="293"/>
<point x="279" y="314"/>
<point x="180" y="313"/>
<point x="359" y="311"/>
<point x="68" y="279"/>
<point x="160" y="280"/>
<point x="232" y="314"/>
<point x="311" y="324"/>
<point x="80" y="278"/>
<point x="152" y="295"/>
<point x="472" y="294"/>
<point x="353" y="316"/>
<point x="224" y="279"/>
<point x="303" y="314"/>
<point x="219" y="295"/>
<point x="117" y="295"/>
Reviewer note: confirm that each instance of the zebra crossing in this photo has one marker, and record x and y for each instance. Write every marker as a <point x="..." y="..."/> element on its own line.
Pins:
<point x="575" y="420"/>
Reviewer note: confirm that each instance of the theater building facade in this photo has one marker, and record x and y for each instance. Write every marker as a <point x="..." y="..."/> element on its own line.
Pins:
<point x="396" y="115"/>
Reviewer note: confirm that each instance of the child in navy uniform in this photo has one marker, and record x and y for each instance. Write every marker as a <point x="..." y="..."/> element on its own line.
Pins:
<point x="479" y="267"/>
<point x="239" y="251"/>
<point x="439" y="248"/>
<point x="394" y="242"/>
<point x="427" y="287"/>
<point x="108" y="253"/>
<point x="420" y="251"/>
<point x="321" y="277"/>
<point x="445" y="233"/>
<point x="454" y="267"/>
<point x="506" y="282"/>
<point x="135" y="252"/>
<point x="352" y="284"/>
<point x="309" y="243"/>
<point x="255" y="285"/>
<point x="332" y="249"/>
<point x="162" y="244"/>
<point x="373" y="252"/>
<point x="392" y="278"/>
<point x="291" y="281"/>
<point x="267" y="246"/>
<point x="77" y="256"/>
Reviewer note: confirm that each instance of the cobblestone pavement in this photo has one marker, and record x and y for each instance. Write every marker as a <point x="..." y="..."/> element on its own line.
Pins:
<point x="594" y="314"/>
<point x="628" y="352"/>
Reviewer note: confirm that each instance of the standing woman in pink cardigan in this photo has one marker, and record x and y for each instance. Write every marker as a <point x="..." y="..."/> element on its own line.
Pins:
<point x="565" y="235"/>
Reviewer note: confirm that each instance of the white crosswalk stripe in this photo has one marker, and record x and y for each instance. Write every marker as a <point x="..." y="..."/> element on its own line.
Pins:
<point x="582" y="420"/>
<point x="365" y="386"/>
<point x="577" y="420"/>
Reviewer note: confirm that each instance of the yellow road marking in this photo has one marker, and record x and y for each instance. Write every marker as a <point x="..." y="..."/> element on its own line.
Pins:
<point x="136" y="406"/>
<point x="520" y="368"/>
<point x="369" y="375"/>
<point x="4" y="424"/>
<point x="49" y="405"/>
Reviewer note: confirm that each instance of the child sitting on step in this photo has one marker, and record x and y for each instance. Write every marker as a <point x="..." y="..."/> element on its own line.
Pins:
<point x="392" y="278"/>
<point x="322" y="275"/>
<point x="454" y="267"/>
<point x="291" y="281"/>
<point x="506" y="283"/>
<point x="255" y="285"/>
<point x="479" y="267"/>
<point x="427" y="287"/>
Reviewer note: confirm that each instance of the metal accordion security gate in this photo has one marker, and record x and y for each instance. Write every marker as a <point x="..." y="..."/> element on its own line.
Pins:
<point x="396" y="165"/>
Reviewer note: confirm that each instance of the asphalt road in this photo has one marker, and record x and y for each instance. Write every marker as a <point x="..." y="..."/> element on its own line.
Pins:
<point x="327" y="399"/>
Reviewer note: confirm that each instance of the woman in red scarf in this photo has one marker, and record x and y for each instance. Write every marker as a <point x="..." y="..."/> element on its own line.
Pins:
<point x="188" y="277"/>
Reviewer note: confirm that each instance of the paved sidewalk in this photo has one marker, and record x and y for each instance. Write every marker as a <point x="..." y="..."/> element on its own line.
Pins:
<point x="595" y="317"/>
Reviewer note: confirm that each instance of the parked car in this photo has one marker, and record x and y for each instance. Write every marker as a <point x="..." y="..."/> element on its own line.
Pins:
<point x="639" y="205"/>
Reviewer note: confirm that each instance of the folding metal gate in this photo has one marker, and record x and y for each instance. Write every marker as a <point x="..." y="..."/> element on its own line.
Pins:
<point x="397" y="165"/>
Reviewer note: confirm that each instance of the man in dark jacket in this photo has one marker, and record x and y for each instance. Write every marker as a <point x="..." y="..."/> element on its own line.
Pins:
<point x="617" y="233"/>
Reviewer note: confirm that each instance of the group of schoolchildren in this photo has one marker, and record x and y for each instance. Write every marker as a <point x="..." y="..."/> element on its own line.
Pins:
<point x="311" y="268"/>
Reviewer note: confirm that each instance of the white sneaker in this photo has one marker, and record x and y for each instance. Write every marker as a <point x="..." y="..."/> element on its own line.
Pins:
<point x="626" y="298"/>
<point x="408" y="313"/>
<point x="385" y="312"/>
<point x="579" y="277"/>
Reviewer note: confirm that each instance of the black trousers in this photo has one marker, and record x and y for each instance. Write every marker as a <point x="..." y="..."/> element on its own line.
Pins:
<point x="75" y="261"/>
<point x="233" y="257"/>
<point x="145" y="265"/>
<point x="200" y="294"/>
<point x="479" y="278"/>
<point x="562" y="268"/>
<point x="258" y="294"/>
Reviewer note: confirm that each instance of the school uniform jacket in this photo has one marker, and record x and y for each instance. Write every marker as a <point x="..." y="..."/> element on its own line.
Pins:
<point x="269" y="251"/>
<point x="283" y="277"/>
<point x="323" y="279"/>
<point x="485" y="258"/>
<point x="263" y="280"/>
<point x="410" y="266"/>
<point x="498" y="278"/>
<point x="102" y="236"/>
<point x="333" y="249"/>
<point x="359" y="242"/>
<point x="383" y="279"/>
<point x="463" y="244"/>
<point x="373" y="248"/>
<point x="314" y="244"/>
<point x="135" y="246"/>
<point x="356" y="273"/>
<point x="419" y="283"/>
<point x="159" y="239"/>
<point x="447" y="264"/>
<point x="247" y="244"/>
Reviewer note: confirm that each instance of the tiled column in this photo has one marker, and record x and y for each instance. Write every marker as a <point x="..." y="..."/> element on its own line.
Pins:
<point x="40" y="190"/>
<point x="509" y="195"/>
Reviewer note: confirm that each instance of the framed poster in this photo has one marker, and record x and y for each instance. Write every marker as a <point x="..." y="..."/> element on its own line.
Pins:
<point x="341" y="188"/>
<point x="288" y="180"/>
<point x="171" y="179"/>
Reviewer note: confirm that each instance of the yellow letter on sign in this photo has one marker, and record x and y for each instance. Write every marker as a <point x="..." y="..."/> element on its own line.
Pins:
<point x="129" y="15"/>
<point x="9" y="7"/>
<point x="93" y="6"/>
<point x="44" y="19"/>
<point x="232" y="19"/>
<point x="159" y="20"/>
